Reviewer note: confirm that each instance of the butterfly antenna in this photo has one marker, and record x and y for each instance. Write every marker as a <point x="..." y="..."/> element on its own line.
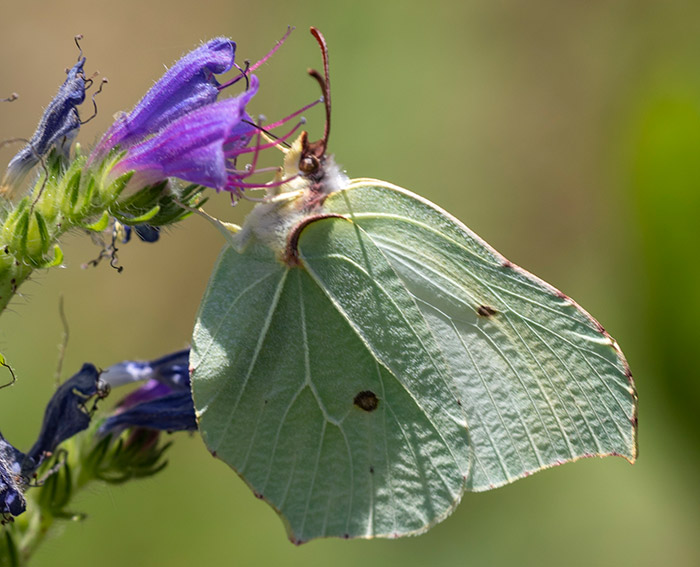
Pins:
<point x="325" y="84"/>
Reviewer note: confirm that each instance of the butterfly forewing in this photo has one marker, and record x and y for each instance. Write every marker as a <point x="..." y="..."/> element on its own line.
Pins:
<point x="540" y="381"/>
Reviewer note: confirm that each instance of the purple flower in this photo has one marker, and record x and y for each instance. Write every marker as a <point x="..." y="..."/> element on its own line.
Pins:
<point x="199" y="147"/>
<point x="186" y="86"/>
<point x="58" y="126"/>
<point x="179" y="130"/>
<point x="163" y="403"/>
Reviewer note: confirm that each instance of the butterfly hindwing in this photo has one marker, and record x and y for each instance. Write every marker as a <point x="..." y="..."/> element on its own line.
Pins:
<point x="322" y="386"/>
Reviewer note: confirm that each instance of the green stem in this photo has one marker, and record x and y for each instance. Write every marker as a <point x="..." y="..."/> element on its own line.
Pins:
<point x="12" y="275"/>
<point x="65" y="198"/>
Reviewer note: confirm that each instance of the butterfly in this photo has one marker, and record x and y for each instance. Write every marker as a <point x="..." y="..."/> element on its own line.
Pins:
<point x="362" y="359"/>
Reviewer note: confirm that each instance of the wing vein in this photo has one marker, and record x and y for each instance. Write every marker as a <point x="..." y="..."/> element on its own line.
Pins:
<point x="256" y="354"/>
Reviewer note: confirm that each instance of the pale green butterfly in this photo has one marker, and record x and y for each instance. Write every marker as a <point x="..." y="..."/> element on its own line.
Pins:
<point x="362" y="359"/>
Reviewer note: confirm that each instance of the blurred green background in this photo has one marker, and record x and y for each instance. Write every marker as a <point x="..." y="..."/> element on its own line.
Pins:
<point x="567" y="134"/>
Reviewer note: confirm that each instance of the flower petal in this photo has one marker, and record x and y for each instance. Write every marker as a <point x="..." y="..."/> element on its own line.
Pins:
<point x="147" y="232"/>
<point x="172" y="412"/>
<point x="171" y="370"/>
<point x="195" y="148"/>
<point x="58" y="126"/>
<point x="163" y="403"/>
<point x="66" y="413"/>
<point x="187" y="85"/>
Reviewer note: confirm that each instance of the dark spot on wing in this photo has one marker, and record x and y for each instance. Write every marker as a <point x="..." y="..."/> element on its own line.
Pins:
<point x="486" y="311"/>
<point x="371" y="470"/>
<point x="366" y="400"/>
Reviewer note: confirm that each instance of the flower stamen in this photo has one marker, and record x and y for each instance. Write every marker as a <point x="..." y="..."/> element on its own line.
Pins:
<point x="261" y="61"/>
<point x="276" y="141"/>
<point x="295" y="114"/>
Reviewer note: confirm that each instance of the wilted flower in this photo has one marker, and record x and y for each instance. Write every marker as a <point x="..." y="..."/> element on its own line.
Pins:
<point x="58" y="126"/>
<point x="11" y="480"/>
<point x="67" y="413"/>
<point x="164" y="402"/>
<point x="145" y="232"/>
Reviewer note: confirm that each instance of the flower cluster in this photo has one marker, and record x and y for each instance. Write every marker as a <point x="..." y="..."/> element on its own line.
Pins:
<point x="180" y="129"/>
<point x="67" y="414"/>
<point x="189" y="84"/>
<point x="164" y="403"/>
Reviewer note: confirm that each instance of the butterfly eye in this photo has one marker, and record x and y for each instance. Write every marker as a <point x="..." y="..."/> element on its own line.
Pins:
<point x="308" y="164"/>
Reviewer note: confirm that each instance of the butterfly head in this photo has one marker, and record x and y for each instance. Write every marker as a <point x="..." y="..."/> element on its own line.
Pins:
<point x="308" y="176"/>
<point x="307" y="164"/>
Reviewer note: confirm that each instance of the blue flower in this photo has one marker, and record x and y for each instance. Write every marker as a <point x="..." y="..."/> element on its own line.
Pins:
<point x="58" y="126"/>
<point x="163" y="403"/>
<point x="145" y="232"/>
<point x="67" y="413"/>
<point x="186" y="86"/>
